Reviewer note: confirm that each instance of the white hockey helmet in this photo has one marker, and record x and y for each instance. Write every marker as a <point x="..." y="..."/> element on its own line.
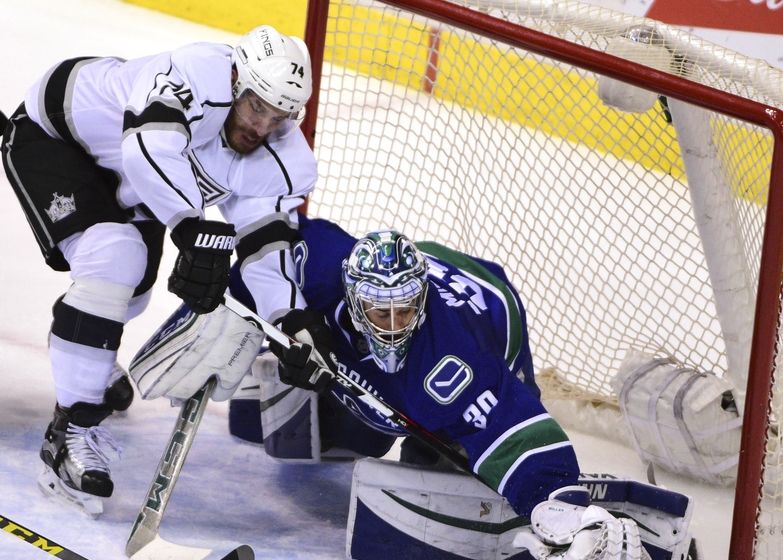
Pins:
<point x="275" y="67"/>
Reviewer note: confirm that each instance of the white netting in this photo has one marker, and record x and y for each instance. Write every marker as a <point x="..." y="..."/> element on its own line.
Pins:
<point x="450" y="136"/>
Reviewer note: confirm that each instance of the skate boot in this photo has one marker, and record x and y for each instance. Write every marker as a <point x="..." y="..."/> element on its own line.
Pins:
<point x="119" y="393"/>
<point x="76" y="452"/>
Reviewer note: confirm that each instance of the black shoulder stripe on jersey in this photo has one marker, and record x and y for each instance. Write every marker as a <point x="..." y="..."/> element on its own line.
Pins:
<point x="160" y="172"/>
<point x="273" y="232"/>
<point x="55" y="92"/>
<point x="209" y="103"/>
<point x="293" y="290"/>
<point x="156" y="112"/>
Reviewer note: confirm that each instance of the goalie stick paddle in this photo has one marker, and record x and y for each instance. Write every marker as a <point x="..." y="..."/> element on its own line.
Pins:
<point x="37" y="540"/>
<point x="144" y="541"/>
<point x="358" y="391"/>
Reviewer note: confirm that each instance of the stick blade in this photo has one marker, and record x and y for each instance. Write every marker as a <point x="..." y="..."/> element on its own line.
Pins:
<point x="243" y="552"/>
<point x="160" y="549"/>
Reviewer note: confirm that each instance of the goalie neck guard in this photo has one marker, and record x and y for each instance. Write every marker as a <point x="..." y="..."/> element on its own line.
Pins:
<point x="385" y="280"/>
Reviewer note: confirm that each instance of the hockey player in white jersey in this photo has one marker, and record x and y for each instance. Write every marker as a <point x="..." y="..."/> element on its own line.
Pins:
<point x="105" y="155"/>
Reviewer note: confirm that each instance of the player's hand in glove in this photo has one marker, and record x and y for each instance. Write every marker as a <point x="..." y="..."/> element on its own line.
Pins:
<point x="297" y="365"/>
<point x="201" y="271"/>
<point x="567" y="527"/>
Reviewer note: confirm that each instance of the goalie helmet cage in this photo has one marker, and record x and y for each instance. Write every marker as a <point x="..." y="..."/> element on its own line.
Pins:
<point x="652" y="224"/>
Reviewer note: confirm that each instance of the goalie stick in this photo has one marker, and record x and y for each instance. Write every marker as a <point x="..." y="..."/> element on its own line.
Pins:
<point x="144" y="541"/>
<point x="411" y="426"/>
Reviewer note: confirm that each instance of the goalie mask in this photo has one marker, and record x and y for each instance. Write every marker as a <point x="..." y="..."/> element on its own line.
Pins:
<point x="385" y="280"/>
<point x="275" y="67"/>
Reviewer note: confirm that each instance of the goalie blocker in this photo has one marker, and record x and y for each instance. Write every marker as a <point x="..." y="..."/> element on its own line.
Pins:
<point x="437" y="515"/>
<point x="189" y="349"/>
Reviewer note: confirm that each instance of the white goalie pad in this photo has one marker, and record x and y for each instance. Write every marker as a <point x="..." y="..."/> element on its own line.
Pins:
<point x="284" y="419"/>
<point x="639" y="45"/>
<point x="289" y="416"/>
<point x="188" y="349"/>
<point x="418" y="513"/>
<point x="681" y="420"/>
<point x="421" y="513"/>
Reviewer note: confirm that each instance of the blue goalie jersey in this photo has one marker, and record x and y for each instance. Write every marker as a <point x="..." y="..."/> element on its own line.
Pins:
<point x="468" y="374"/>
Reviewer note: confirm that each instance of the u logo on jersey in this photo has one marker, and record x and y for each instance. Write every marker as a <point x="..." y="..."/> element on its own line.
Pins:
<point x="448" y="379"/>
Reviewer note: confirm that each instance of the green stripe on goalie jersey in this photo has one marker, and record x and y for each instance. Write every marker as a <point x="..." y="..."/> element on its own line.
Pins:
<point x="491" y="282"/>
<point x="508" y="452"/>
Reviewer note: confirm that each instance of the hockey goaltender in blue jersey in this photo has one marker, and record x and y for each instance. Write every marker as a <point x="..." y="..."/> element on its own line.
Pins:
<point x="468" y="375"/>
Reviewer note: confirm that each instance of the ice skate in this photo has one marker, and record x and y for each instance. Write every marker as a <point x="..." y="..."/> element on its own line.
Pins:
<point x="76" y="452"/>
<point x="119" y="393"/>
<point x="53" y="487"/>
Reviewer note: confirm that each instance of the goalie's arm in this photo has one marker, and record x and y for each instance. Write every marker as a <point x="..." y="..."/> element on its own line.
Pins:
<point x="277" y="335"/>
<point x="515" y="447"/>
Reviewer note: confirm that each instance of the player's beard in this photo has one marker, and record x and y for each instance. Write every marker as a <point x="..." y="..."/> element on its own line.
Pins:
<point x="241" y="137"/>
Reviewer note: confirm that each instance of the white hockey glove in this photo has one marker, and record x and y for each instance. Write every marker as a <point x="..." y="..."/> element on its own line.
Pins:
<point x="188" y="349"/>
<point x="566" y="527"/>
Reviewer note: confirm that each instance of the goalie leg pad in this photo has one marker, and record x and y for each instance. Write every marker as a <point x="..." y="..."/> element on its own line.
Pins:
<point x="288" y="416"/>
<point x="662" y="516"/>
<point x="682" y="420"/>
<point x="297" y="425"/>
<point x="282" y="418"/>
<point x="428" y="514"/>
<point x="640" y="46"/>
<point x="244" y="411"/>
<point x="438" y="515"/>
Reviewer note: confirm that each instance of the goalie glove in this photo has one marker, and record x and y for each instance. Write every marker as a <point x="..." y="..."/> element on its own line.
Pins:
<point x="297" y="366"/>
<point x="566" y="527"/>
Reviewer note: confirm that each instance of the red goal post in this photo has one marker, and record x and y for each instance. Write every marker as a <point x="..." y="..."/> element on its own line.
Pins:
<point x="378" y="66"/>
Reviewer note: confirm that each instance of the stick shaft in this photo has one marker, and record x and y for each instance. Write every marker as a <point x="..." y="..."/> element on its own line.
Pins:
<point x="147" y="524"/>
<point x="37" y="540"/>
<point x="360" y="392"/>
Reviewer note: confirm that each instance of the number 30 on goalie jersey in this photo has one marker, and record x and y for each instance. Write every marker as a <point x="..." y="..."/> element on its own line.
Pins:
<point x="468" y="374"/>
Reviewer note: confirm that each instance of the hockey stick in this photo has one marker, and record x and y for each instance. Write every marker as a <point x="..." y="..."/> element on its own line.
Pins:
<point x="395" y="416"/>
<point x="37" y="540"/>
<point x="144" y="541"/>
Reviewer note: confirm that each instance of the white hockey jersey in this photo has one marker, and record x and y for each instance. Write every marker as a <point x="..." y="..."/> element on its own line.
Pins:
<point x="157" y="122"/>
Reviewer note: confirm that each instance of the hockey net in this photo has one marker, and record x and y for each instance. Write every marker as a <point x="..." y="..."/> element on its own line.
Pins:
<point x="638" y="227"/>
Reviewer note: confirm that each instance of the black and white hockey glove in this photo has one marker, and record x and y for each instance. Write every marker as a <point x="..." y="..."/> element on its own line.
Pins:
<point x="200" y="274"/>
<point x="296" y="365"/>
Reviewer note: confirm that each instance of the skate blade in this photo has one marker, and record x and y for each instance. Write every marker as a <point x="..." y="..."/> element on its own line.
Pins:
<point x="51" y="485"/>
